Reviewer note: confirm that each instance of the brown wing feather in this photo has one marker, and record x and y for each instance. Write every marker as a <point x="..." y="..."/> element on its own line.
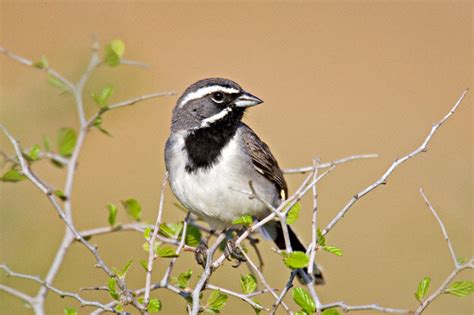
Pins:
<point x="264" y="161"/>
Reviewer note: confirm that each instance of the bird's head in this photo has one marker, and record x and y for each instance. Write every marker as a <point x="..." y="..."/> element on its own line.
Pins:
<point x="209" y="101"/>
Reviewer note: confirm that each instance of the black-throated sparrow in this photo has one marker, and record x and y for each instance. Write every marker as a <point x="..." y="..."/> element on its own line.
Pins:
<point x="211" y="154"/>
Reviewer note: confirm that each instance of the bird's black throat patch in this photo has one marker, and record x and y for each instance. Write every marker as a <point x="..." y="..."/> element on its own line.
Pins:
<point x="204" y="145"/>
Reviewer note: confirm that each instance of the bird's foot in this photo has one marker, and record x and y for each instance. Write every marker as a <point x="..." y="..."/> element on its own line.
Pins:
<point x="232" y="251"/>
<point x="200" y="253"/>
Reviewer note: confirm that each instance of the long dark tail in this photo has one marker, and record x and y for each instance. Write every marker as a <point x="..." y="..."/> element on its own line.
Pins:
<point x="296" y="245"/>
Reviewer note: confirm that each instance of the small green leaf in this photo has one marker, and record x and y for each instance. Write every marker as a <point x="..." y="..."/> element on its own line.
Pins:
<point x="98" y="125"/>
<point x="119" y="307"/>
<point x="112" y="214"/>
<point x="423" y="287"/>
<point x="114" y="52"/>
<point x="246" y="220"/>
<point x="330" y="311"/>
<point x="321" y="238"/>
<point x="170" y="230"/>
<point x="133" y="208"/>
<point x="295" y="260"/>
<point x="333" y="250"/>
<point x="12" y="176"/>
<point x="34" y="152"/>
<point x="461" y="260"/>
<point x="112" y="291"/>
<point x="147" y="233"/>
<point x="60" y="194"/>
<point x="165" y="252"/>
<point x="193" y="236"/>
<point x="304" y="300"/>
<point x="248" y="283"/>
<point x="146" y="246"/>
<point x="102" y="98"/>
<point x="123" y="273"/>
<point x="183" y="279"/>
<point x="69" y="311"/>
<point x="144" y="264"/>
<point x="257" y="310"/>
<point x="66" y="141"/>
<point x="41" y="64"/>
<point x="460" y="288"/>
<point x="301" y="313"/>
<point x="47" y="143"/>
<point x="52" y="80"/>
<point x="216" y="301"/>
<point x="154" y="306"/>
<point x="294" y="213"/>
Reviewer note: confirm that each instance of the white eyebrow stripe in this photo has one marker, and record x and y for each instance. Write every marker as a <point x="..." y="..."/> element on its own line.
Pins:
<point x="206" y="91"/>
<point x="206" y="122"/>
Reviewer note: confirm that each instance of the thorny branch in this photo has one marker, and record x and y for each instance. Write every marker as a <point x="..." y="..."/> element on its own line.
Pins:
<point x="129" y="296"/>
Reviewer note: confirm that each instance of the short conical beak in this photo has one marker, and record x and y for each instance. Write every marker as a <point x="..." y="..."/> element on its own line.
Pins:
<point x="247" y="100"/>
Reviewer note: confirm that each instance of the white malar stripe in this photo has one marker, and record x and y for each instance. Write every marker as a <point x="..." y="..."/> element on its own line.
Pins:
<point x="206" y="122"/>
<point x="206" y="91"/>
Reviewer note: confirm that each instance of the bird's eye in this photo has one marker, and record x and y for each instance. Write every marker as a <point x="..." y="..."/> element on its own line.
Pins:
<point x="217" y="97"/>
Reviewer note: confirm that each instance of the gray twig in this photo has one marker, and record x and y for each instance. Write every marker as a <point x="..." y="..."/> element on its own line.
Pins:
<point x="383" y="180"/>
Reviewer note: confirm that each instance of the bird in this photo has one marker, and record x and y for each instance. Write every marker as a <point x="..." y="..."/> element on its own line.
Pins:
<point x="211" y="157"/>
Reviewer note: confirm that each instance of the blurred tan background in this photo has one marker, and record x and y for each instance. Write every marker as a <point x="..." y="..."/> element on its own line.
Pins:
<point x="337" y="79"/>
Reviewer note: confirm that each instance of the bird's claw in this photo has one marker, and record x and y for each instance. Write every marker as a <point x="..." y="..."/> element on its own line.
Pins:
<point x="200" y="253"/>
<point x="232" y="251"/>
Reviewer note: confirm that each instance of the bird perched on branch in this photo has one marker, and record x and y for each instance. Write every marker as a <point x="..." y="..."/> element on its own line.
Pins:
<point x="212" y="156"/>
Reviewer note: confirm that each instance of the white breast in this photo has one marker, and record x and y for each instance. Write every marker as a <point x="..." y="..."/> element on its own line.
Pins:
<point x="213" y="193"/>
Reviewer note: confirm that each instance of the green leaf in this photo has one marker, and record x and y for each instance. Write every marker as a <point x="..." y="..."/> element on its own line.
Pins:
<point x="102" y="98"/>
<point x="147" y="233"/>
<point x="146" y="246"/>
<point x="460" y="288"/>
<point x="246" y="220"/>
<point x="301" y="313"/>
<point x="60" y="194"/>
<point x="165" y="252"/>
<point x="98" y="125"/>
<point x="170" y="230"/>
<point x="47" y="143"/>
<point x="193" y="236"/>
<point x="294" y="213"/>
<point x="114" y="52"/>
<point x="112" y="291"/>
<point x="119" y="307"/>
<point x="34" y="152"/>
<point x="69" y="311"/>
<point x="257" y="310"/>
<point x="66" y="141"/>
<point x="112" y="214"/>
<point x="133" y="208"/>
<point x="122" y="273"/>
<point x="248" y="283"/>
<point x="295" y="260"/>
<point x="52" y="80"/>
<point x="183" y="279"/>
<point x="333" y="250"/>
<point x="216" y="301"/>
<point x="12" y="176"/>
<point x="330" y="311"/>
<point x="461" y="260"/>
<point x="423" y="287"/>
<point x="42" y="63"/>
<point x="321" y="238"/>
<point x="154" y="306"/>
<point x="144" y="264"/>
<point x="304" y="300"/>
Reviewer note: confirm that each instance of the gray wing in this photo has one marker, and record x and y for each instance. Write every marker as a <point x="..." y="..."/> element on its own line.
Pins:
<point x="263" y="160"/>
